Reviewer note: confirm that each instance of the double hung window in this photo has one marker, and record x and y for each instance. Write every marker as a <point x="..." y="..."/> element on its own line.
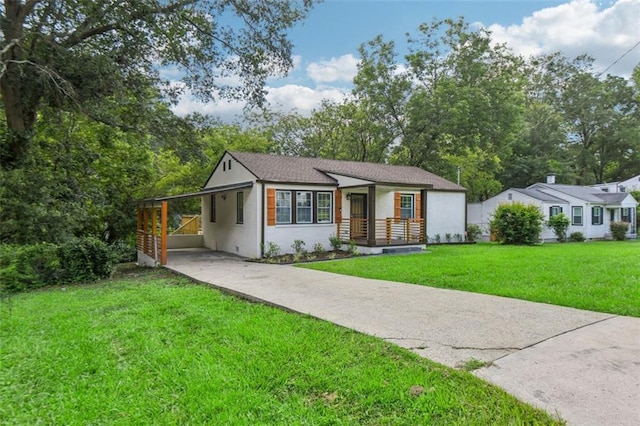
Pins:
<point x="283" y="206"/>
<point x="304" y="207"/>
<point x="406" y="206"/>
<point x="576" y="215"/>
<point x="596" y="215"/>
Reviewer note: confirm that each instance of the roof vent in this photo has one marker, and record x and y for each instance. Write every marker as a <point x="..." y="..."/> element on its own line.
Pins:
<point x="551" y="178"/>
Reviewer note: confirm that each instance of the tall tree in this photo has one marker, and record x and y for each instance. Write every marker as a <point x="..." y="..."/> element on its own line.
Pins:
<point x="468" y="102"/>
<point x="71" y="54"/>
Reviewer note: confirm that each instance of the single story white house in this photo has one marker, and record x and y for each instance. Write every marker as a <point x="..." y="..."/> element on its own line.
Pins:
<point x="251" y="200"/>
<point x="631" y="184"/>
<point x="590" y="209"/>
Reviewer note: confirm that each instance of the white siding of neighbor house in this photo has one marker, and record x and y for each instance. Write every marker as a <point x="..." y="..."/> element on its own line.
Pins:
<point x="587" y="229"/>
<point x="481" y="213"/>
<point x="446" y="213"/>
<point x="284" y="235"/>
<point x="631" y="184"/>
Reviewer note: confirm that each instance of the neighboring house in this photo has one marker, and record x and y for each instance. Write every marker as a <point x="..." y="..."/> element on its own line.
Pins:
<point x="590" y="210"/>
<point x="631" y="184"/>
<point x="251" y="200"/>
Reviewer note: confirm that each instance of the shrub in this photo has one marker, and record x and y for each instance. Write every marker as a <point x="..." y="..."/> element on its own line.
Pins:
<point x="576" y="237"/>
<point x="28" y="267"/>
<point x="447" y="237"/>
<point x="298" y="247"/>
<point x="270" y="249"/>
<point x="437" y="239"/>
<point x="517" y="223"/>
<point x="559" y="223"/>
<point x="335" y="242"/>
<point x="352" y="248"/>
<point x="32" y="266"/>
<point x="86" y="259"/>
<point x="473" y="232"/>
<point x="458" y="238"/>
<point x="123" y="252"/>
<point x="619" y="230"/>
<point x="318" y="248"/>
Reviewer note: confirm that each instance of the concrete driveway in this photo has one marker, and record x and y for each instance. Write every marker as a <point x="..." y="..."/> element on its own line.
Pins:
<point x="583" y="366"/>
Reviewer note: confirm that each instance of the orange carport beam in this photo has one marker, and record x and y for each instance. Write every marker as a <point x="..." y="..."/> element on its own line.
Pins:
<point x="164" y="213"/>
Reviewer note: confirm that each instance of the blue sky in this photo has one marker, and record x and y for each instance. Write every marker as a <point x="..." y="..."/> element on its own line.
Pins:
<point x="326" y="43"/>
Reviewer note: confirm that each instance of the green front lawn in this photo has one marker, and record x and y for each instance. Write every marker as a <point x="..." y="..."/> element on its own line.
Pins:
<point x="153" y="348"/>
<point x="598" y="276"/>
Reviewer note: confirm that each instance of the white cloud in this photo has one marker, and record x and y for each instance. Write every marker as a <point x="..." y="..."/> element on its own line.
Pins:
<point x="228" y="111"/>
<point x="286" y="98"/>
<point x="579" y="27"/>
<point x="342" y="68"/>
<point x="301" y="98"/>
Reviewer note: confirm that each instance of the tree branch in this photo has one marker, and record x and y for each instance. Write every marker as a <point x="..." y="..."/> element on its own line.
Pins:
<point x="80" y="35"/>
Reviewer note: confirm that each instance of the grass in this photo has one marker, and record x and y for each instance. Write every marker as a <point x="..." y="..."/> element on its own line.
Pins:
<point x="153" y="348"/>
<point x="597" y="276"/>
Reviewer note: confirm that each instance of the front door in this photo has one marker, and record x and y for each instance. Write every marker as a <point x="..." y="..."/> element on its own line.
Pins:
<point x="358" y="216"/>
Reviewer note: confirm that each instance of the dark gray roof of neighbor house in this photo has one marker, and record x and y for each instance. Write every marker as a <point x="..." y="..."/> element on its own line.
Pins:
<point x="538" y="195"/>
<point x="586" y="193"/>
<point x="280" y="168"/>
<point x="613" y="197"/>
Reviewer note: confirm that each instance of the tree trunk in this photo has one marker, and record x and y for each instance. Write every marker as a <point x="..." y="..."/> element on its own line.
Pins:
<point x="20" y="117"/>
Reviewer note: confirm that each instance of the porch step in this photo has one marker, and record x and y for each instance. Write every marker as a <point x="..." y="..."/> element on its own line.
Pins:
<point x="398" y="250"/>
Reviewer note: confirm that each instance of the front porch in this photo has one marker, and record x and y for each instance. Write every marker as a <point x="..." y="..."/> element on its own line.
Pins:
<point x="390" y="231"/>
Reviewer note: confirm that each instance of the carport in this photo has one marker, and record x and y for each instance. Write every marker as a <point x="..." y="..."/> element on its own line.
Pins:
<point x="152" y="238"/>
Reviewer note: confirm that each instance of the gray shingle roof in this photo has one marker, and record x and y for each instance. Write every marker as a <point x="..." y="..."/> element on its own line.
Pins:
<point x="538" y="195"/>
<point x="586" y="193"/>
<point x="613" y="197"/>
<point x="280" y="168"/>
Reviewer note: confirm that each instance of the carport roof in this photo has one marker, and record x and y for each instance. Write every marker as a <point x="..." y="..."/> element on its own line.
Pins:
<point x="205" y="191"/>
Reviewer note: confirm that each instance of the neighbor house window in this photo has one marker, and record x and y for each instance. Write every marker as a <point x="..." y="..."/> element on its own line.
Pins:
<point x="213" y="208"/>
<point x="406" y="206"/>
<point x="324" y="207"/>
<point x="239" y="207"/>
<point x="304" y="207"/>
<point x="576" y="215"/>
<point x="283" y="206"/>
<point x="554" y="210"/>
<point x="625" y="214"/>
<point x="596" y="215"/>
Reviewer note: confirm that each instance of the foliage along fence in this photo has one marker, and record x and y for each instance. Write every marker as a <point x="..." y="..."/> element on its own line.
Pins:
<point x="29" y="267"/>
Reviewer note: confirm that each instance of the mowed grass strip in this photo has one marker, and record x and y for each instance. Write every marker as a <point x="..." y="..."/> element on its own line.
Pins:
<point x="597" y="276"/>
<point x="157" y="349"/>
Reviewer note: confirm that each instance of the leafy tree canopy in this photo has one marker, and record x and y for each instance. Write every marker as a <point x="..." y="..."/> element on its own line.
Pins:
<point x="74" y="54"/>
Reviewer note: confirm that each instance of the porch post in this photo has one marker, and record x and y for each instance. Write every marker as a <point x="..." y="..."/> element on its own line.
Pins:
<point x="423" y="212"/>
<point x="163" y="232"/>
<point x="371" y="218"/>
<point x="154" y="221"/>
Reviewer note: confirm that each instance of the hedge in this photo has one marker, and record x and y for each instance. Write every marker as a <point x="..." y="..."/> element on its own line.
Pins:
<point x="33" y="266"/>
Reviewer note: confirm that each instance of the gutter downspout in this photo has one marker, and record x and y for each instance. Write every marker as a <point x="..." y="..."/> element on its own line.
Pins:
<point x="262" y="222"/>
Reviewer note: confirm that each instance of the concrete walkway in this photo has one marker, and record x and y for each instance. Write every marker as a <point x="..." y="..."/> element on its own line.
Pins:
<point x="582" y="366"/>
